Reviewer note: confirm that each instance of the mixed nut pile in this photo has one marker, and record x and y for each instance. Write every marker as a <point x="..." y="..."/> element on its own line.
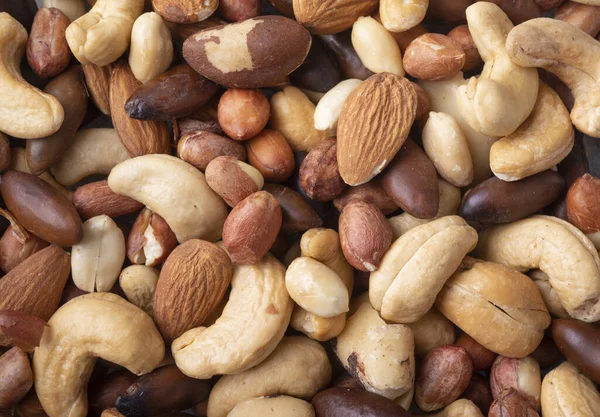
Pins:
<point x="307" y="208"/>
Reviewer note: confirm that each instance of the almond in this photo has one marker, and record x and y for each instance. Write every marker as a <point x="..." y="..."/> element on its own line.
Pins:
<point x="97" y="80"/>
<point x="373" y="125"/>
<point x="192" y="283"/>
<point x="324" y="17"/>
<point x="96" y="198"/>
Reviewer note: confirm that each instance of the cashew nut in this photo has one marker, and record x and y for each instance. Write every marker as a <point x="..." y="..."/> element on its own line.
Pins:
<point x="138" y="282"/>
<point x="27" y="112"/>
<point x="273" y="407"/>
<point x="176" y="191"/>
<point x="560" y="250"/>
<point x="299" y="367"/>
<point x="417" y="265"/>
<point x="96" y="261"/>
<point x="571" y="55"/>
<point x="103" y="34"/>
<point x="315" y="327"/>
<point x="548" y="294"/>
<point x="73" y="9"/>
<point x="94" y="151"/>
<point x="252" y="324"/>
<point x="151" y="51"/>
<point x="99" y="325"/>
<point x="567" y="393"/>
<point x="545" y="139"/>
<point x="503" y="96"/>
<point x="460" y="408"/>
<point x="430" y="331"/>
<point x="380" y="356"/>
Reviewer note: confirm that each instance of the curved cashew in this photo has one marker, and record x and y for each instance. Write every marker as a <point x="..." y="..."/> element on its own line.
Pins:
<point x="566" y="392"/>
<point x="176" y="191"/>
<point x="299" y="367"/>
<point x="417" y="265"/>
<point x="99" y="325"/>
<point x="545" y="139"/>
<point x="273" y="407"/>
<point x="94" y="151"/>
<point x="252" y="324"/>
<point x="571" y="55"/>
<point x="27" y="112"/>
<point x="103" y="34"/>
<point x="503" y="96"/>
<point x="560" y="250"/>
<point x="548" y="294"/>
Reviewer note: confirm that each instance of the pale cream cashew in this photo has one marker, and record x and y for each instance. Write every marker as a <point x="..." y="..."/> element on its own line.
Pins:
<point x="502" y="97"/>
<point x="327" y="112"/>
<point x="380" y="356"/>
<point x="571" y="55"/>
<point x="417" y="265"/>
<point x="151" y="51"/>
<point x="460" y="408"/>
<point x="299" y="367"/>
<point x="175" y="190"/>
<point x="99" y="325"/>
<point x="556" y="247"/>
<point x="541" y="142"/>
<point x="103" y="34"/>
<point x="138" y="282"/>
<point x="279" y="406"/>
<point x="26" y="112"/>
<point x="566" y="392"/>
<point x="73" y="9"/>
<point x="402" y="15"/>
<point x="97" y="260"/>
<point x="430" y="331"/>
<point x="549" y="296"/>
<point x="252" y="324"/>
<point x="94" y="151"/>
<point x="315" y="327"/>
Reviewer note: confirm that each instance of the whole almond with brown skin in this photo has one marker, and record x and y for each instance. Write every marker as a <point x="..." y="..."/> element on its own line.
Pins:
<point x="324" y="17"/>
<point x="16" y="377"/>
<point x="171" y="95"/>
<point x="96" y="198"/>
<point x="433" y="57"/>
<point x="69" y="89"/>
<point x="138" y="137"/>
<point x="481" y="357"/>
<point x="97" y="80"/>
<point x="252" y="227"/>
<point x="319" y="175"/>
<point x="48" y="52"/>
<point x="374" y="123"/>
<point x="270" y="153"/>
<point x="411" y="181"/>
<point x="199" y="148"/>
<point x="297" y="214"/>
<point x="371" y="192"/>
<point x="583" y="203"/>
<point x="150" y="240"/>
<point x="365" y="235"/>
<point x="41" y="208"/>
<point x="13" y="252"/>
<point x="233" y="180"/>
<point x="185" y="11"/>
<point x="462" y="36"/>
<point x="192" y="283"/>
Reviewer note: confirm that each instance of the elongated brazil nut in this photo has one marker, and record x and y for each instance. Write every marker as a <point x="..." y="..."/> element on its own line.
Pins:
<point x="347" y="402"/>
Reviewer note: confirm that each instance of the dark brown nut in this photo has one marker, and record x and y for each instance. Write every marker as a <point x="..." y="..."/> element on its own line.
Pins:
<point x="16" y="377"/>
<point x="182" y="31"/>
<point x="23" y="11"/>
<point x="411" y="181"/>
<point x="252" y="227"/>
<point x="547" y="354"/>
<point x="71" y="291"/>
<point x="591" y="147"/>
<point x="187" y="126"/>
<point x="151" y="240"/>
<point x="479" y="392"/>
<point x="511" y="404"/>
<point x="423" y="101"/>
<point x="346" y="402"/>
<point x="319" y="72"/>
<point x="462" y="36"/>
<point x="243" y="114"/>
<point x="433" y="57"/>
<point x="443" y="376"/>
<point x="238" y="10"/>
<point x="497" y="201"/>
<point x="583" y="204"/>
<point x="519" y="11"/>
<point x="233" y="180"/>
<point x="41" y="208"/>
<point x="21" y="329"/>
<point x="4" y="152"/>
<point x="585" y="16"/>
<point x="97" y="80"/>
<point x="481" y="357"/>
<point x="188" y="11"/>
<point x="69" y="89"/>
<point x="345" y="380"/>
<point x="580" y="343"/>
<point x="13" y="252"/>
<point x="448" y="11"/>
<point x="286" y="7"/>
<point x="199" y="148"/>
<point x="251" y="57"/>
<point x="48" y="52"/>
<point x="297" y="214"/>
<point x="331" y="16"/>
<point x="370" y="192"/>
<point x="270" y="153"/>
<point x="522" y="375"/>
<point x="96" y="198"/>
<point x="171" y="95"/>
<point x="365" y="235"/>
<point x="162" y="391"/>
<point x="348" y="60"/>
<point x="546" y="5"/>
<point x="103" y="392"/>
<point x="319" y="175"/>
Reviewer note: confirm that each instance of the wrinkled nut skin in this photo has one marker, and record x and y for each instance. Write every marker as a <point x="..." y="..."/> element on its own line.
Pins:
<point x="48" y="52"/>
<point x="547" y="353"/>
<point x="348" y="402"/>
<point x="16" y="377"/>
<point x="433" y="57"/>
<point x="233" y="180"/>
<point x="189" y="11"/>
<point x="511" y="404"/>
<point x="443" y="376"/>
<point x="583" y="204"/>
<point x="522" y="375"/>
<point x="200" y="147"/>
<point x="319" y="72"/>
<point x="238" y="10"/>
<point x="41" y="208"/>
<point x="579" y="342"/>
<point x="243" y="114"/>
<point x="96" y="198"/>
<point x="13" y="252"/>
<point x="103" y="392"/>
<point x="497" y="201"/>
<point x="348" y="60"/>
<point x="297" y="214"/>
<point x="325" y="17"/>
<point x="97" y="80"/>
<point x="270" y="153"/>
<point x="319" y="175"/>
<point x="148" y="232"/>
<point x="370" y="192"/>
<point x="462" y="36"/>
<point x="365" y="235"/>
<point x="411" y="181"/>
<point x="162" y="391"/>
<point x="478" y="391"/>
<point x="481" y="357"/>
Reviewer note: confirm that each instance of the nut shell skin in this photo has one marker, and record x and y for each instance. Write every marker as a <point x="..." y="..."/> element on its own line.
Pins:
<point x="270" y="153"/>
<point x="48" y="53"/>
<point x="243" y="114"/>
<point x="579" y="342"/>
<point x="583" y="203"/>
<point x="319" y="175"/>
<point x="347" y="402"/>
<point x="433" y="57"/>
<point x="297" y="214"/>
<point x="198" y="148"/>
<point x="348" y="60"/>
<point x="16" y="377"/>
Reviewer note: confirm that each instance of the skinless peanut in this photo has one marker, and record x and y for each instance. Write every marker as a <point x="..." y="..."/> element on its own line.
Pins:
<point x="328" y="110"/>
<point x="375" y="46"/>
<point x="243" y="114"/>
<point x="151" y="50"/>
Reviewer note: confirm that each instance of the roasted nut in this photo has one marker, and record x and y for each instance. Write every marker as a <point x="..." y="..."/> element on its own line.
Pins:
<point x="433" y="57"/>
<point x="376" y="47"/>
<point x="319" y="72"/>
<point x="430" y="331"/>
<point x="151" y="50"/>
<point x="96" y="198"/>
<point x="48" y="53"/>
<point x="189" y="11"/>
<point x="327" y="112"/>
<point x="510" y="403"/>
<point x="73" y="9"/>
<point x="478" y="391"/>
<point x="16" y="377"/>
<point x="348" y="60"/>
<point x="150" y="240"/>
<point x="13" y="251"/>
<point x="199" y="148"/>
<point x="576" y="340"/>
<point x="547" y="354"/>
<point x="103" y="392"/>
<point x="522" y="375"/>
<point x="238" y="10"/>
<point x="232" y="179"/>
<point x="138" y="282"/>
<point x="297" y="214"/>
<point x="584" y="16"/>
<point x="462" y="36"/>
<point x="97" y="80"/>
<point x="583" y="209"/>
<point x="481" y="357"/>
<point x="331" y="16"/>
<point x="355" y="403"/>
<point x="319" y="175"/>
<point x="565" y="391"/>
<point x="243" y="114"/>
<point x="370" y="192"/>
<point x="551" y="300"/>
<point x="21" y="329"/>
<point x="460" y="408"/>
<point x="273" y="406"/>
<point x="402" y="16"/>
<point x="270" y="153"/>
<point x="448" y="12"/>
